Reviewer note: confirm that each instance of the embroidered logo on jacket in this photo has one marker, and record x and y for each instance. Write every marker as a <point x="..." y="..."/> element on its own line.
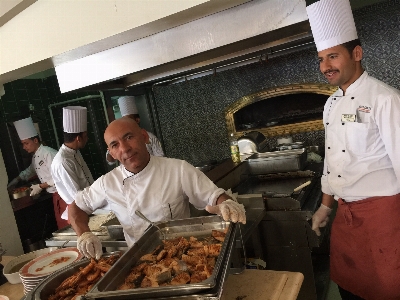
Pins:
<point x="41" y="163"/>
<point x="363" y="108"/>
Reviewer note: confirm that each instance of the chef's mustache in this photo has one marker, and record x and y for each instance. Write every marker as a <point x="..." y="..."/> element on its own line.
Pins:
<point x="329" y="71"/>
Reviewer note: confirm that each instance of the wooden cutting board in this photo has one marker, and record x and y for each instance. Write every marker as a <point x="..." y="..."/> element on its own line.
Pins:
<point x="254" y="284"/>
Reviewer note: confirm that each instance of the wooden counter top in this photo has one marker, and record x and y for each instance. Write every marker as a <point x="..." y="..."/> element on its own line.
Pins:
<point x="251" y="284"/>
<point x="263" y="285"/>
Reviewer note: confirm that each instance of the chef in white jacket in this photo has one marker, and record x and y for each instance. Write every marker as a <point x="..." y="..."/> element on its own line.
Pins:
<point x="70" y="172"/>
<point x="362" y="161"/>
<point x="40" y="166"/>
<point x="128" y="108"/>
<point x="161" y="188"/>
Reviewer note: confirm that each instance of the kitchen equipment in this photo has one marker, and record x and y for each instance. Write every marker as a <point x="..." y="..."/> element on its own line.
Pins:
<point x="252" y="142"/>
<point x="315" y="149"/>
<point x="278" y="161"/>
<point x="140" y="215"/>
<point x="114" y="229"/>
<point x="20" y="192"/>
<point x="294" y="194"/>
<point x="11" y="269"/>
<point x="198" y="227"/>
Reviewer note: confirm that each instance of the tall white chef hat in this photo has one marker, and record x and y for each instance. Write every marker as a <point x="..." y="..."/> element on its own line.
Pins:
<point x="332" y="23"/>
<point x="25" y="128"/>
<point x="127" y="105"/>
<point x="74" y="119"/>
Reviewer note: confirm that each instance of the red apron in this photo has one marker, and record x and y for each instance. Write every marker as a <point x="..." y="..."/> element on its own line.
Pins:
<point x="59" y="207"/>
<point x="365" y="247"/>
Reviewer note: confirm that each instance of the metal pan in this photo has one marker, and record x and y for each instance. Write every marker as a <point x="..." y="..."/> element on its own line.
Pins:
<point x="198" y="227"/>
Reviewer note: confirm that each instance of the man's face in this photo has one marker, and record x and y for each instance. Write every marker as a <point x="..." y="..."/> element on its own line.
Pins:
<point x="338" y="66"/>
<point x="30" y="146"/>
<point x="126" y="142"/>
<point x="83" y="140"/>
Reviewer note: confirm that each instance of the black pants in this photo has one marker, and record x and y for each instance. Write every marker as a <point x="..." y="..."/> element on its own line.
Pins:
<point x="346" y="295"/>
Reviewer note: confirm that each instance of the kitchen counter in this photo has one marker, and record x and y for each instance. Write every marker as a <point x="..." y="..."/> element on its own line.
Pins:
<point x="20" y="203"/>
<point x="251" y="284"/>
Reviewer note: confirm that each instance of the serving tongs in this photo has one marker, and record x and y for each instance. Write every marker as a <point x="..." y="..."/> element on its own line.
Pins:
<point x="139" y="214"/>
<point x="295" y="192"/>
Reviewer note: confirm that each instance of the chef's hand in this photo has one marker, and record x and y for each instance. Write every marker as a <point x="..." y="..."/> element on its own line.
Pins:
<point x="35" y="189"/>
<point x="320" y="218"/>
<point x="13" y="182"/>
<point x="90" y="245"/>
<point x="229" y="210"/>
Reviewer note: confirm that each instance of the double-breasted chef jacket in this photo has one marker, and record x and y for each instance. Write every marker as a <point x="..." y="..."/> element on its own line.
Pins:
<point x="70" y="173"/>
<point x="161" y="191"/>
<point x="362" y="141"/>
<point x="41" y="166"/>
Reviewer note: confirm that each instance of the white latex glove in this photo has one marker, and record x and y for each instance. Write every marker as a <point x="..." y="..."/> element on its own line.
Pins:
<point x="90" y="245"/>
<point x="13" y="182"/>
<point x="229" y="210"/>
<point x="35" y="189"/>
<point x="320" y="218"/>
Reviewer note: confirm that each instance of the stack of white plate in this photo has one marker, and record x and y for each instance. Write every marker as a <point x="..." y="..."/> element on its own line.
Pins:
<point x="41" y="267"/>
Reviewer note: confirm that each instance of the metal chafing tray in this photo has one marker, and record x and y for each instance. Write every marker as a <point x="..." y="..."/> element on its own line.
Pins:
<point x="47" y="287"/>
<point x="278" y="161"/>
<point x="68" y="231"/>
<point x="197" y="227"/>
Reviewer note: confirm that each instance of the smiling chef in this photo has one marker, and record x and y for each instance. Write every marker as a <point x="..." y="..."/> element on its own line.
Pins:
<point x="40" y="166"/>
<point x="159" y="187"/>
<point x="362" y="162"/>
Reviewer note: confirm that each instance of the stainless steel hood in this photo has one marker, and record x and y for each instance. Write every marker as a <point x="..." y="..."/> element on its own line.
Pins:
<point x="254" y="28"/>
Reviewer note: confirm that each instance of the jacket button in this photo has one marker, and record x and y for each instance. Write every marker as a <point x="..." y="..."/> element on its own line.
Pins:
<point x="342" y="123"/>
<point x="329" y="147"/>
<point x="327" y="123"/>
<point x="339" y="176"/>
<point x="352" y="98"/>
<point x="343" y="150"/>
<point x="334" y="98"/>
<point x="328" y="172"/>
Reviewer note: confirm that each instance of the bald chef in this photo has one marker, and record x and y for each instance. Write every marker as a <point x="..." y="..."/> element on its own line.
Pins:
<point x="40" y="166"/>
<point x="70" y="172"/>
<point x="128" y="108"/>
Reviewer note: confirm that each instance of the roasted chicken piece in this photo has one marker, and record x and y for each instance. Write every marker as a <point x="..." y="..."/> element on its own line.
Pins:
<point x="213" y="249"/>
<point x="148" y="282"/>
<point x="203" y="251"/>
<point x="148" y="258"/>
<point x="218" y="235"/>
<point x="195" y="243"/>
<point x="181" y="278"/>
<point x="158" y="272"/>
<point x="194" y="260"/>
<point x="197" y="277"/>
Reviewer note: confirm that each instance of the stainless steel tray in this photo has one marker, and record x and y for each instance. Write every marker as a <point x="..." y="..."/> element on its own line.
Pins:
<point x="197" y="227"/>
<point x="46" y="287"/>
<point x="278" y="161"/>
<point x="69" y="231"/>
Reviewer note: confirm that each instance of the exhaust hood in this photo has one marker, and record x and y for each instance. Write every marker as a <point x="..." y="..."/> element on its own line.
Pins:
<point x="253" y="28"/>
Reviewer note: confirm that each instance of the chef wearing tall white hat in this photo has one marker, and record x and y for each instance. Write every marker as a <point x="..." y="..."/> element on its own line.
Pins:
<point x="362" y="161"/>
<point x="41" y="163"/>
<point x="70" y="172"/>
<point x="128" y="108"/>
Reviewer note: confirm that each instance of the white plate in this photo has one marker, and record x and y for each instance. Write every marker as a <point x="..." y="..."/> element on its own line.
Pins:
<point x="50" y="262"/>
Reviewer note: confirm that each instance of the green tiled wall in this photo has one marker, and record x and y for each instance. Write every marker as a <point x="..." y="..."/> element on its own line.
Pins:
<point x="40" y="93"/>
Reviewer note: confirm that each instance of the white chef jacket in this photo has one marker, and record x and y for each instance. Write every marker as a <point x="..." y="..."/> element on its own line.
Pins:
<point x="161" y="191"/>
<point x="154" y="148"/>
<point x="362" y="158"/>
<point x="71" y="174"/>
<point x="40" y="166"/>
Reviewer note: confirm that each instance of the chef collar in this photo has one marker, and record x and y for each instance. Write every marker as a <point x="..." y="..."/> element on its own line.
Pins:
<point x="355" y="85"/>
<point x="37" y="151"/>
<point x="129" y="175"/>
<point x="68" y="149"/>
